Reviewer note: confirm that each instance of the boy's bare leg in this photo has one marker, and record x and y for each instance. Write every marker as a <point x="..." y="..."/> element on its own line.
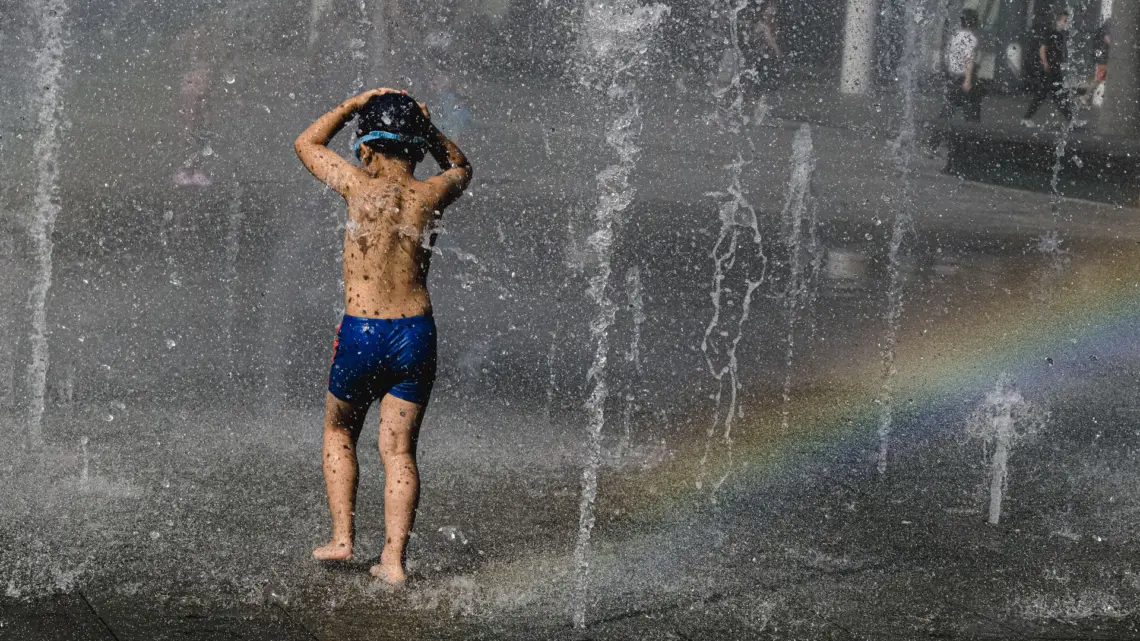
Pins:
<point x="399" y="429"/>
<point x="342" y="427"/>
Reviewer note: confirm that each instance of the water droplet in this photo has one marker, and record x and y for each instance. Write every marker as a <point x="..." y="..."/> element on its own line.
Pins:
<point x="154" y="536"/>
<point x="170" y="344"/>
<point x="230" y="78"/>
<point x="207" y="150"/>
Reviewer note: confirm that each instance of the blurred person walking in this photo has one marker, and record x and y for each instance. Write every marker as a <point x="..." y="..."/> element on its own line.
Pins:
<point x="758" y="28"/>
<point x="961" y="65"/>
<point x="1102" y="46"/>
<point x="385" y="346"/>
<point x="1047" y="73"/>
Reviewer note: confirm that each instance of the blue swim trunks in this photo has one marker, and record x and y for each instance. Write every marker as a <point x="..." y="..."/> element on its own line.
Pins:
<point x="377" y="356"/>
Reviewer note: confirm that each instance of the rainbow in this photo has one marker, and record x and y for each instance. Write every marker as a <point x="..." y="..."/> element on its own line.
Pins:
<point x="1089" y="319"/>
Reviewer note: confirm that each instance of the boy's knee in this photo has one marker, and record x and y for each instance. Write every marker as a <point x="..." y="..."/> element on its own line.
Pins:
<point x="397" y="458"/>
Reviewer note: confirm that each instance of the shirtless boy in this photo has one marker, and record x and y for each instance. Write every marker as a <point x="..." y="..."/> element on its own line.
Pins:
<point x="386" y="343"/>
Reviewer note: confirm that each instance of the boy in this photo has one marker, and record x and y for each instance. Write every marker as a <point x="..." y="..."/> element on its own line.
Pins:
<point x="386" y="344"/>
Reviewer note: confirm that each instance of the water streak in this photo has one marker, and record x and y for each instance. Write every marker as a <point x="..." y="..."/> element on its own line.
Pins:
<point x="633" y="354"/>
<point x="616" y="37"/>
<point x="479" y="273"/>
<point x="84" y="466"/>
<point x="551" y="373"/>
<point x="317" y="9"/>
<point x="1000" y="422"/>
<point x="48" y="71"/>
<point x="359" y="47"/>
<point x="796" y="205"/>
<point x="904" y="148"/>
<point x="234" y="219"/>
<point x="8" y="320"/>
<point x="1051" y="244"/>
<point x="739" y="226"/>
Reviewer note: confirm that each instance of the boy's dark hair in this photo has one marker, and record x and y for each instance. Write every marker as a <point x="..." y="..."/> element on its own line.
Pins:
<point x="970" y="19"/>
<point x="393" y="124"/>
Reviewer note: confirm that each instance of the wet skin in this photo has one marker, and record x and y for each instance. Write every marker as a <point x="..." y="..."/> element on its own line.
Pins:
<point x="386" y="262"/>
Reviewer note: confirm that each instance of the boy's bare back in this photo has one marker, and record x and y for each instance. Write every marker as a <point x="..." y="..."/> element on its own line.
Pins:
<point x="387" y="250"/>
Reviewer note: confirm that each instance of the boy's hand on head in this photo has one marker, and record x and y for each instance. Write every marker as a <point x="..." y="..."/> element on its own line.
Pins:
<point x="423" y="108"/>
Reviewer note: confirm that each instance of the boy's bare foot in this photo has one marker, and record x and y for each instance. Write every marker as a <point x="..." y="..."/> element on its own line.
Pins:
<point x="334" y="551"/>
<point x="393" y="575"/>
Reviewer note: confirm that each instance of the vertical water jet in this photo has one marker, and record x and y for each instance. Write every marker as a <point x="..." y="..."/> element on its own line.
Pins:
<point x="84" y="466"/>
<point x="48" y="67"/>
<point x="632" y="355"/>
<point x="1002" y="420"/>
<point x="739" y="226"/>
<point x="234" y="219"/>
<point x="796" y="206"/>
<point x="1051" y="244"/>
<point x="903" y="147"/>
<point x="615" y="40"/>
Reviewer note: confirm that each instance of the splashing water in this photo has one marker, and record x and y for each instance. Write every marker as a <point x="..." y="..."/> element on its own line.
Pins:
<point x="551" y="373"/>
<point x="84" y="466"/>
<point x="317" y="10"/>
<point x="795" y="207"/>
<point x="49" y="68"/>
<point x="1050" y="244"/>
<point x="573" y="263"/>
<point x="904" y="152"/>
<point x="359" y="46"/>
<point x="637" y="315"/>
<point x="633" y="354"/>
<point x="233" y="248"/>
<point x="738" y="226"/>
<point x="477" y="274"/>
<point x="1003" y="419"/>
<point x="616" y="37"/>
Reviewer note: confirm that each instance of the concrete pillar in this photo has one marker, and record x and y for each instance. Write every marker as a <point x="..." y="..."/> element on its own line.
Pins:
<point x="1121" y="112"/>
<point x="858" y="47"/>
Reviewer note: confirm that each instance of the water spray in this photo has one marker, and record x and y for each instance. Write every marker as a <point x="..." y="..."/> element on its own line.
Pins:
<point x="904" y="147"/>
<point x="48" y="71"/>
<point x="796" y="206"/>
<point x="1003" y="419"/>
<point x="739" y="231"/>
<point x="615" y="40"/>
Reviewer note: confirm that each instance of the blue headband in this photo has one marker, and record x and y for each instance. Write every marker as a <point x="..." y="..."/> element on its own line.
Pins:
<point x="414" y="141"/>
